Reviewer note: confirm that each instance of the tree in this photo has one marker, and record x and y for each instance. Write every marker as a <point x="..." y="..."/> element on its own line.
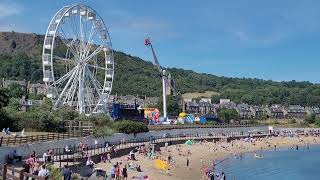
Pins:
<point x="227" y="114"/>
<point x="65" y="113"/>
<point x="16" y="91"/>
<point x="5" y="120"/>
<point x="173" y="108"/>
<point x="49" y="123"/>
<point x="310" y="118"/>
<point x="4" y="98"/>
<point x="317" y="121"/>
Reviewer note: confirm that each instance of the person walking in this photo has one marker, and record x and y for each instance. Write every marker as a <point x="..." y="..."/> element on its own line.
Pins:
<point x="118" y="171"/>
<point x="66" y="173"/>
<point x="188" y="163"/>
<point x="44" y="172"/>
<point x="125" y="172"/>
<point x="113" y="171"/>
<point x="223" y="176"/>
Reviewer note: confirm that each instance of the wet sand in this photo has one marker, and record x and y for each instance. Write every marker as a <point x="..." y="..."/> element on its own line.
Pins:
<point x="208" y="151"/>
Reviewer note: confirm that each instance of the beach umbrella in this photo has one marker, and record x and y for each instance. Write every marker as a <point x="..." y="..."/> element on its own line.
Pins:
<point x="189" y="142"/>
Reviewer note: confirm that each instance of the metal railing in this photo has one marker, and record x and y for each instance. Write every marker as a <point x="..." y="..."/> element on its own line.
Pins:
<point x="169" y="127"/>
<point x="75" y="152"/>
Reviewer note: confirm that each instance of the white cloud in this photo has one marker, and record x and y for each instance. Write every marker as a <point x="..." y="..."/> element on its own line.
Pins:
<point x="7" y="10"/>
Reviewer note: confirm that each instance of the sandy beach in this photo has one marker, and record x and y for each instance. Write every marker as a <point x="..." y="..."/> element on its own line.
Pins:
<point x="208" y="151"/>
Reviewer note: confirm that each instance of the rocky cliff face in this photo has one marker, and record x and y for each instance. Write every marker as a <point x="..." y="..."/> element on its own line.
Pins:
<point x="13" y="43"/>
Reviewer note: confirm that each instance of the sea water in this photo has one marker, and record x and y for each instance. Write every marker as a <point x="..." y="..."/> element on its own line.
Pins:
<point x="280" y="164"/>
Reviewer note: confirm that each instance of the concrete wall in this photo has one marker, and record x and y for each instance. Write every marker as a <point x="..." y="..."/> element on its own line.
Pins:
<point x="41" y="147"/>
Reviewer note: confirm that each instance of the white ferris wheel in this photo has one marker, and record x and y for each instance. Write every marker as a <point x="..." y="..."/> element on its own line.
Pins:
<point x="77" y="59"/>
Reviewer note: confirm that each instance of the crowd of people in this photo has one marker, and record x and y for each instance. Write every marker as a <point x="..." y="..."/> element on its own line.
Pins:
<point x="36" y="166"/>
<point x="120" y="169"/>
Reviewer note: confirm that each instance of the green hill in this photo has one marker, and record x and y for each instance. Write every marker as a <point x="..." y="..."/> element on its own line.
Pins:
<point x="20" y="56"/>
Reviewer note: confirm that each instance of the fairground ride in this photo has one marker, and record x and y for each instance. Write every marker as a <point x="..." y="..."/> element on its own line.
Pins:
<point x="77" y="59"/>
<point x="168" y="84"/>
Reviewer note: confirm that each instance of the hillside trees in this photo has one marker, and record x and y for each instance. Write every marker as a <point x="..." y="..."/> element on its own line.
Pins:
<point x="134" y="76"/>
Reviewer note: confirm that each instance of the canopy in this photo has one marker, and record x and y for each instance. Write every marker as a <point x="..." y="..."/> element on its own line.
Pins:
<point x="182" y="114"/>
<point x="189" y="142"/>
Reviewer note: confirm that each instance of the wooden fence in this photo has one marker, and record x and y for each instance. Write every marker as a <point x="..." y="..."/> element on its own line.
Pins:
<point x="7" y="172"/>
<point x="19" y="140"/>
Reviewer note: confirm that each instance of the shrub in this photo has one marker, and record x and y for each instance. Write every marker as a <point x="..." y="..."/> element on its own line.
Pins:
<point x="310" y="118"/>
<point x="103" y="131"/>
<point x="210" y="123"/>
<point x="5" y="120"/>
<point x="293" y="121"/>
<point x="317" y="121"/>
<point x="130" y="127"/>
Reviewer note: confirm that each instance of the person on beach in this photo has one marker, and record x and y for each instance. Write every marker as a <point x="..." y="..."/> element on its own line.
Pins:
<point x="89" y="162"/>
<point x="223" y="176"/>
<point x="47" y="156"/>
<point x="36" y="169"/>
<point x="117" y="171"/>
<point x="66" y="173"/>
<point x="211" y="175"/>
<point x="169" y="159"/>
<point x="109" y="157"/>
<point x="113" y="171"/>
<point x="188" y="163"/>
<point x="33" y="155"/>
<point x="125" y="172"/>
<point x="43" y="171"/>
<point x="139" y="168"/>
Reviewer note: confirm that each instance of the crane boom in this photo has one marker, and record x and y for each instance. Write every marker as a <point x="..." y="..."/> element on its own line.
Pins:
<point x="168" y="79"/>
<point x="147" y="42"/>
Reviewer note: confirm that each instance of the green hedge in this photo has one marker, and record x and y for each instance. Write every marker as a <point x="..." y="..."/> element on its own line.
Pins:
<point x="130" y="127"/>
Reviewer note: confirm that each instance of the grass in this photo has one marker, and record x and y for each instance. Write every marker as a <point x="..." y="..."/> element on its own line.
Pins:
<point x="286" y="123"/>
<point x="206" y="94"/>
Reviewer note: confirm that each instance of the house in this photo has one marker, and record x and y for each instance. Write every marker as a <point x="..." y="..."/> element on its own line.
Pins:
<point x="223" y="101"/>
<point x="227" y="105"/>
<point x="313" y="110"/>
<point x="191" y="107"/>
<point x="295" y="111"/>
<point x="244" y="111"/>
<point x="205" y="108"/>
<point x="257" y="112"/>
<point x="276" y="112"/>
<point x="200" y="108"/>
<point x="5" y="83"/>
<point x="37" y="88"/>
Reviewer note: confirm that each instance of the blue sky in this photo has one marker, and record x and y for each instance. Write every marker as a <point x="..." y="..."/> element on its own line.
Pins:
<point x="273" y="40"/>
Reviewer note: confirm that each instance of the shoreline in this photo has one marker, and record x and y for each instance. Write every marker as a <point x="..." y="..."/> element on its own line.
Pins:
<point x="207" y="151"/>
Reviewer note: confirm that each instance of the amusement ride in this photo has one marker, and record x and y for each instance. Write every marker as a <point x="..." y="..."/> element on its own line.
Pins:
<point x="168" y="84"/>
<point x="77" y="59"/>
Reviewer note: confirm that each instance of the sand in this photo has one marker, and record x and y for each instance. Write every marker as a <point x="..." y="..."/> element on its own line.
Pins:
<point x="208" y="151"/>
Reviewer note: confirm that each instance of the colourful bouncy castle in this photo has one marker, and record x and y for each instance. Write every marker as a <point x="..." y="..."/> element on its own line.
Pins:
<point x="185" y="118"/>
<point x="152" y="114"/>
